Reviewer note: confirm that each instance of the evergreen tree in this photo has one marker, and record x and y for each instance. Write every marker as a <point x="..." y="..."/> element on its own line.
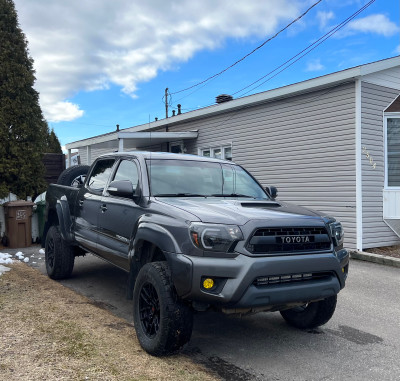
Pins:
<point x="53" y="144"/>
<point x="23" y="131"/>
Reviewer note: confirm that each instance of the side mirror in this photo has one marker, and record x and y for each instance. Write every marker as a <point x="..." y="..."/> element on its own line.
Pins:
<point x="122" y="188"/>
<point x="272" y="192"/>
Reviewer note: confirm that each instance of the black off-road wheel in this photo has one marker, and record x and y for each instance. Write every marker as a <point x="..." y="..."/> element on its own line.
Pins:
<point x="73" y="176"/>
<point x="59" y="255"/>
<point x="311" y="315"/>
<point x="163" y="323"/>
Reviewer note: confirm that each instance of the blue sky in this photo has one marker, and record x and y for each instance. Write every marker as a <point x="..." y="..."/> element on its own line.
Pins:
<point x="101" y="63"/>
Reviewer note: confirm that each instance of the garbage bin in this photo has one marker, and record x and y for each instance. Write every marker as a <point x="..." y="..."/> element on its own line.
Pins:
<point x="18" y="223"/>
<point x="40" y="211"/>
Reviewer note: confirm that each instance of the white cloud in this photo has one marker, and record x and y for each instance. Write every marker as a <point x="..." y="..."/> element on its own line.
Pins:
<point x="315" y="65"/>
<point x="378" y="24"/>
<point x="88" y="45"/>
<point x="61" y="111"/>
<point x="324" y="18"/>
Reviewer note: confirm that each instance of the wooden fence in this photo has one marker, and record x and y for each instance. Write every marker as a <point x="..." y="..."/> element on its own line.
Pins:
<point x="54" y="164"/>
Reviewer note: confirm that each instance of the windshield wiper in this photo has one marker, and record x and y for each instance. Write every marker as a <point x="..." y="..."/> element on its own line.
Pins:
<point x="179" y="195"/>
<point x="231" y="195"/>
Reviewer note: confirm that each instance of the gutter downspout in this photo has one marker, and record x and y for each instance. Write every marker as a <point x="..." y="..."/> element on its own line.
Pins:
<point x="359" y="202"/>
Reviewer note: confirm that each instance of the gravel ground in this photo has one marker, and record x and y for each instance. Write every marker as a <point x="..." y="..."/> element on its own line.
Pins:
<point x="390" y="251"/>
<point x="48" y="332"/>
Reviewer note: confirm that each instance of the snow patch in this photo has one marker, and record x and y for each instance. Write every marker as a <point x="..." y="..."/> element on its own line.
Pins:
<point x="20" y="255"/>
<point x="41" y="251"/>
<point x="5" y="258"/>
<point x="4" y="269"/>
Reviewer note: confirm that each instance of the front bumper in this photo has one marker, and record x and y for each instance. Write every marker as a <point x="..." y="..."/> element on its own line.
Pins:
<point x="236" y="277"/>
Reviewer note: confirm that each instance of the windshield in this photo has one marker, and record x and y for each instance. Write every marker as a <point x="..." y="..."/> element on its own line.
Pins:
<point x="174" y="178"/>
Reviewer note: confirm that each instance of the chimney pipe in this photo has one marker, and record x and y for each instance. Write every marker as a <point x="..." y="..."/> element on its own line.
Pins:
<point x="156" y="119"/>
<point x="223" y="98"/>
<point x="173" y="112"/>
<point x="179" y="109"/>
<point x="117" y="127"/>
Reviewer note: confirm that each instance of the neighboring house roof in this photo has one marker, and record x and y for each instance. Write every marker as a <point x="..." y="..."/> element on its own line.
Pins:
<point x="251" y="100"/>
<point x="395" y="106"/>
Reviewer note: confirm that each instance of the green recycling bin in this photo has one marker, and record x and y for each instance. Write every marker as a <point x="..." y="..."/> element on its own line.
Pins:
<point x="40" y="211"/>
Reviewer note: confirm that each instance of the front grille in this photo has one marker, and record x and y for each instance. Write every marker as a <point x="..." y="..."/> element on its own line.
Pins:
<point x="290" y="278"/>
<point x="289" y="240"/>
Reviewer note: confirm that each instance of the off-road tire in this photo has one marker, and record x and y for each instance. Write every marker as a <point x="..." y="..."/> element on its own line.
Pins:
<point x="73" y="176"/>
<point x="311" y="315"/>
<point x="59" y="256"/>
<point x="166" y="326"/>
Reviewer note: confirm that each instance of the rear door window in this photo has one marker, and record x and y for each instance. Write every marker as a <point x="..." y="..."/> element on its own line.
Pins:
<point x="100" y="174"/>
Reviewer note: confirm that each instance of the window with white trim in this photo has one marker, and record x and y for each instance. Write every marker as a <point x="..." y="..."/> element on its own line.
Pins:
<point x="222" y="152"/>
<point x="393" y="151"/>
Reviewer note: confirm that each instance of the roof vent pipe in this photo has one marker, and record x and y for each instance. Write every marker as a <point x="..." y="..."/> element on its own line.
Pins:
<point x="179" y="109"/>
<point x="223" y="98"/>
<point x="117" y="127"/>
<point x="173" y="112"/>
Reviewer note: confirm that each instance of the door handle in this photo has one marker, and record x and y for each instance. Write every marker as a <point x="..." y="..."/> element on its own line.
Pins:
<point x="80" y="202"/>
<point x="103" y="208"/>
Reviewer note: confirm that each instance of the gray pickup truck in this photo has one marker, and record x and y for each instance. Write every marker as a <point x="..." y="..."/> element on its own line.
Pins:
<point x="194" y="233"/>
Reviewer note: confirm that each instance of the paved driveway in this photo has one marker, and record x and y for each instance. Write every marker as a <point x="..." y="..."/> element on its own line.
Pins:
<point x="361" y="342"/>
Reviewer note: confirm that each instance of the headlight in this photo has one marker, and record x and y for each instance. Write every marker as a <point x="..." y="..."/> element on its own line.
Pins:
<point x="337" y="233"/>
<point x="214" y="237"/>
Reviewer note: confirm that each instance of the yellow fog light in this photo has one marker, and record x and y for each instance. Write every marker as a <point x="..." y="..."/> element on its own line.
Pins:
<point x="208" y="283"/>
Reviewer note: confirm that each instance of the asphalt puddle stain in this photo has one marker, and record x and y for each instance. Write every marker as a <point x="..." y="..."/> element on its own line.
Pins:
<point x="103" y="305"/>
<point x="355" y="335"/>
<point x="228" y="371"/>
<point x="224" y="369"/>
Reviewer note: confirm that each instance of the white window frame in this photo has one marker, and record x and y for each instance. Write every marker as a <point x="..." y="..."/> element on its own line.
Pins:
<point x="213" y="148"/>
<point x="388" y="115"/>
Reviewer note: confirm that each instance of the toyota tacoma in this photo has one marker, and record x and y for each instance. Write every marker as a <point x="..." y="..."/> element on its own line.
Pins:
<point x="194" y="233"/>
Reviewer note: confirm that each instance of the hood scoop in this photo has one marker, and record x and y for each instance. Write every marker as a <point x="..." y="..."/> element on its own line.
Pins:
<point x="260" y="204"/>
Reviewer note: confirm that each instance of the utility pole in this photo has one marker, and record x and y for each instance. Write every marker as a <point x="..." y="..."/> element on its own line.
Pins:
<point x="166" y="102"/>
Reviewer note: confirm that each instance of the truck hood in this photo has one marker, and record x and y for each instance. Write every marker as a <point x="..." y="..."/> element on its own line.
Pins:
<point x="239" y="212"/>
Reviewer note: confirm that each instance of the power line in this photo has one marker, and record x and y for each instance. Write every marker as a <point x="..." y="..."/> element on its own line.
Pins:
<point x="188" y="95"/>
<point x="248" y="54"/>
<point x="302" y="53"/>
<point x="305" y="51"/>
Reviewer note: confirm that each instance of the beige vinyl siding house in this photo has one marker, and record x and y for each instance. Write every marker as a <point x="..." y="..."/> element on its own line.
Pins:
<point x="314" y="140"/>
<point x="285" y="143"/>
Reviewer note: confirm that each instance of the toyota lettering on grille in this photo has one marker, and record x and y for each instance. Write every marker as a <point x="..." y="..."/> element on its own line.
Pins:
<point x="295" y="239"/>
